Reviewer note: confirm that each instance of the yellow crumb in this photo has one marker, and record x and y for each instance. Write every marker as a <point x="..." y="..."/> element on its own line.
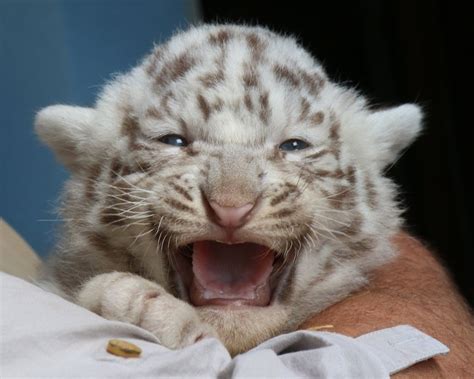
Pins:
<point x="123" y="349"/>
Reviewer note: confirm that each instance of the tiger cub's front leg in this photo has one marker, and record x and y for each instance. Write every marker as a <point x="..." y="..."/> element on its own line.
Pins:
<point x="130" y="298"/>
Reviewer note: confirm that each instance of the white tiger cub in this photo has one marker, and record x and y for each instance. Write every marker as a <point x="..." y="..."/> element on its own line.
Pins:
<point x="224" y="187"/>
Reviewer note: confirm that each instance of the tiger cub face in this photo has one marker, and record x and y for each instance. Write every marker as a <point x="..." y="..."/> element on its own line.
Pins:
<point x="229" y="169"/>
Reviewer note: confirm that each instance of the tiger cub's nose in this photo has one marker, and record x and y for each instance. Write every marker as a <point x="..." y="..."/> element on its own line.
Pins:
<point x="231" y="217"/>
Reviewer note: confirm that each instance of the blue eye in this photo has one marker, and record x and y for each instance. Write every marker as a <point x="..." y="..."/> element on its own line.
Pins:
<point x="174" y="140"/>
<point x="293" y="145"/>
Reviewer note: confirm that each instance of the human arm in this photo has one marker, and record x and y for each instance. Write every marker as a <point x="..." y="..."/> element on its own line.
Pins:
<point x="413" y="289"/>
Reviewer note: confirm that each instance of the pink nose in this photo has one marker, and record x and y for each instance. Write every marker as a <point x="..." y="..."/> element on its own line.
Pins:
<point x="231" y="216"/>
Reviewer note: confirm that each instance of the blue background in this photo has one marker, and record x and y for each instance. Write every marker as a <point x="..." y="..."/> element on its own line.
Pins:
<point x="62" y="52"/>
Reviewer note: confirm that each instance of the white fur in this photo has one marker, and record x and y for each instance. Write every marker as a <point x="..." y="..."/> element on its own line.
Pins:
<point x="345" y="209"/>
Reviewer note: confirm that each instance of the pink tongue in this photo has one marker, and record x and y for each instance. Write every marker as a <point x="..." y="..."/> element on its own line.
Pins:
<point x="231" y="274"/>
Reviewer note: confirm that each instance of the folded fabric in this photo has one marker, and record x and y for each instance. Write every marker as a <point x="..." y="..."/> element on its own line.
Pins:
<point x="44" y="335"/>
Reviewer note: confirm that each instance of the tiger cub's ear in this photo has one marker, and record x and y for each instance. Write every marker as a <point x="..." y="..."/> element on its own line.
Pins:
<point x="393" y="130"/>
<point x="67" y="130"/>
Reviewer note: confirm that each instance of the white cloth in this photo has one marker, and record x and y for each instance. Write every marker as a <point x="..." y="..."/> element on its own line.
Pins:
<point x="43" y="335"/>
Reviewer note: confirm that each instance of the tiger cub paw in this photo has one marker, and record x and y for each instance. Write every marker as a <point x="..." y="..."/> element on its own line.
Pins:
<point x="130" y="298"/>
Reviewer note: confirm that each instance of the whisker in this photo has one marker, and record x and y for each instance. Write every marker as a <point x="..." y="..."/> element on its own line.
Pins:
<point x="133" y="185"/>
<point x="140" y="236"/>
<point x="319" y="215"/>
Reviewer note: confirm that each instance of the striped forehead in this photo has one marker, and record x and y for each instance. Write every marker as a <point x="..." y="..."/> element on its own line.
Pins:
<point x="238" y="58"/>
<point x="230" y="82"/>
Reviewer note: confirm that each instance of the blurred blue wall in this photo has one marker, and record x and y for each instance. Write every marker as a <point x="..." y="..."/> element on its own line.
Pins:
<point x="62" y="52"/>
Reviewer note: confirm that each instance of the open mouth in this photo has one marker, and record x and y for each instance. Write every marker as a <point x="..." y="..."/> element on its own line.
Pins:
<point x="216" y="273"/>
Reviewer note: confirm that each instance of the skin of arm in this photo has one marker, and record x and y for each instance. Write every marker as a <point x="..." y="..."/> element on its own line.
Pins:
<point x="413" y="289"/>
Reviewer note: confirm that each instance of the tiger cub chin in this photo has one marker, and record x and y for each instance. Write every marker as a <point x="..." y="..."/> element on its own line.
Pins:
<point x="224" y="187"/>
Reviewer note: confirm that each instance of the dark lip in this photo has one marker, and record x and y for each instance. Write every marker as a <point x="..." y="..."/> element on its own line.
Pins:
<point x="281" y="267"/>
